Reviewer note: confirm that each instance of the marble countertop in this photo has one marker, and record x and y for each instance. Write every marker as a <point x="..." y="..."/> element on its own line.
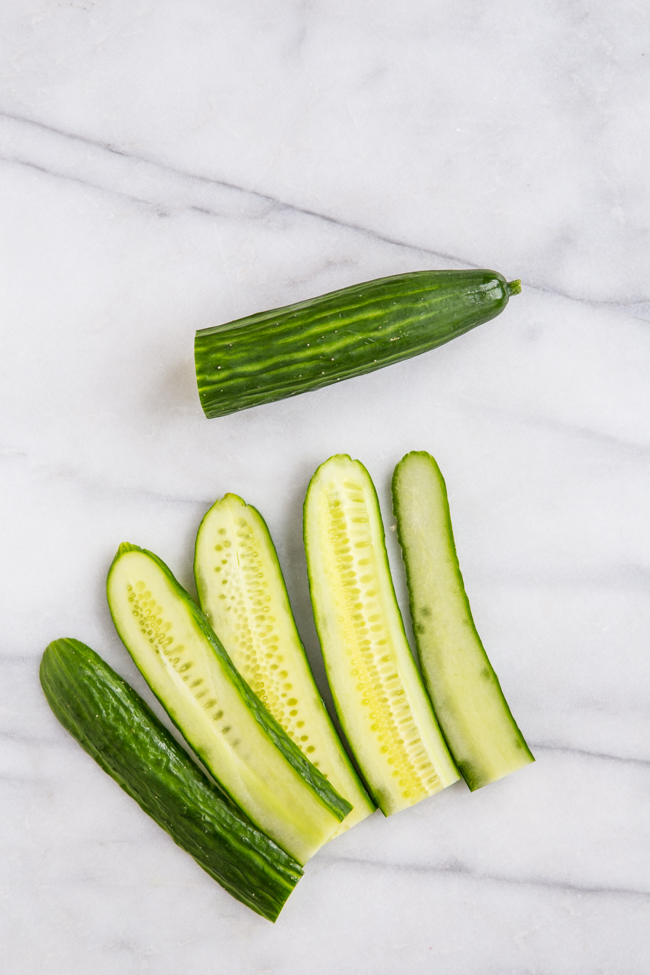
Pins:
<point x="169" y="166"/>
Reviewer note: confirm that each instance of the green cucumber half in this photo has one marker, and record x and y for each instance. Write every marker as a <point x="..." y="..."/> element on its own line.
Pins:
<point x="242" y="592"/>
<point x="115" y="726"/>
<point x="377" y="690"/>
<point x="291" y="350"/>
<point x="467" y="697"/>
<point x="237" y="739"/>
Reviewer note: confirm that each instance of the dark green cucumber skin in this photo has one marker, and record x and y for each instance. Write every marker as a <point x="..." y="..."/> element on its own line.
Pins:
<point x="117" y="728"/>
<point x="314" y="343"/>
<point x="339" y="806"/>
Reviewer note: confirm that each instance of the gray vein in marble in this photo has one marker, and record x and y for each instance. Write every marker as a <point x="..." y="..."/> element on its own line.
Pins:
<point x="82" y="182"/>
<point x="602" y="439"/>
<point x="263" y="197"/>
<point x="459" y="870"/>
<point x="67" y="135"/>
<point x="40" y="740"/>
<point x="100" y="486"/>
<point x="599" y="756"/>
<point x="629" y="577"/>
<point x="638" y="449"/>
<point x="641" y="303"/>
<point x="30" y="781"/>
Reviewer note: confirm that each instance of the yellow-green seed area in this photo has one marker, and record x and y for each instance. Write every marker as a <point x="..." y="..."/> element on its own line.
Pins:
<point x="159" y="632"/>
<point x="367" y="644"/>
<point x="240" y="598"/>
<point x="378" y="693"/>
<point x="242" y="592"/>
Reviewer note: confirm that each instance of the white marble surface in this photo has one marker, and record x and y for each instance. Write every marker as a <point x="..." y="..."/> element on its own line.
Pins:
<point x="168" y="166"/>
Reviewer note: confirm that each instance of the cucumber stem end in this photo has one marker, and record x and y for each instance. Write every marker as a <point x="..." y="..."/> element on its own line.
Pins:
<point x="514" y="287"/>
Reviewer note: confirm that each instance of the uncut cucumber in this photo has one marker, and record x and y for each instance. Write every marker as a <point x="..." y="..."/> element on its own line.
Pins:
<point x="378" y="693"/>
<point x="115" y="726"/>
<point x="301" y="347"/>
<point x="229" y="728"/>
<point x="242" y="592"/>
<point x="473" y="713"/>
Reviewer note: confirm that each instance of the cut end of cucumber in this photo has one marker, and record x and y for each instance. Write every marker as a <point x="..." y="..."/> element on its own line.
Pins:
<point x="477" y="777"/>
<point x="127" y="547"/>
<point x="514" y="287"/>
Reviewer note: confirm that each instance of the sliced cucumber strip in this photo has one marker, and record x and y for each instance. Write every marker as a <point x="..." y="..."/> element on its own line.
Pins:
<point x="239" y="742"/>
<point x="379" y="696"/>
<point x="242" y="592"/>
<point x="467" y="697"/>
<point x="114" y="725"/>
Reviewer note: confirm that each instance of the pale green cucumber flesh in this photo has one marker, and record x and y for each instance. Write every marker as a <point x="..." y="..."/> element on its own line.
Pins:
<point x="239" y="742"/>
<point x="379" y="696"/>
<point x="115" y="726"/>
<point x="473" y="713"/>
<point x="242" y="592"/>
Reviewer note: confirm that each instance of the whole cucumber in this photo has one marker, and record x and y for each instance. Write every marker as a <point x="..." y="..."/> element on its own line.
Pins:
<point x="114" y="725"/>
<point x="314" y="343"/>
